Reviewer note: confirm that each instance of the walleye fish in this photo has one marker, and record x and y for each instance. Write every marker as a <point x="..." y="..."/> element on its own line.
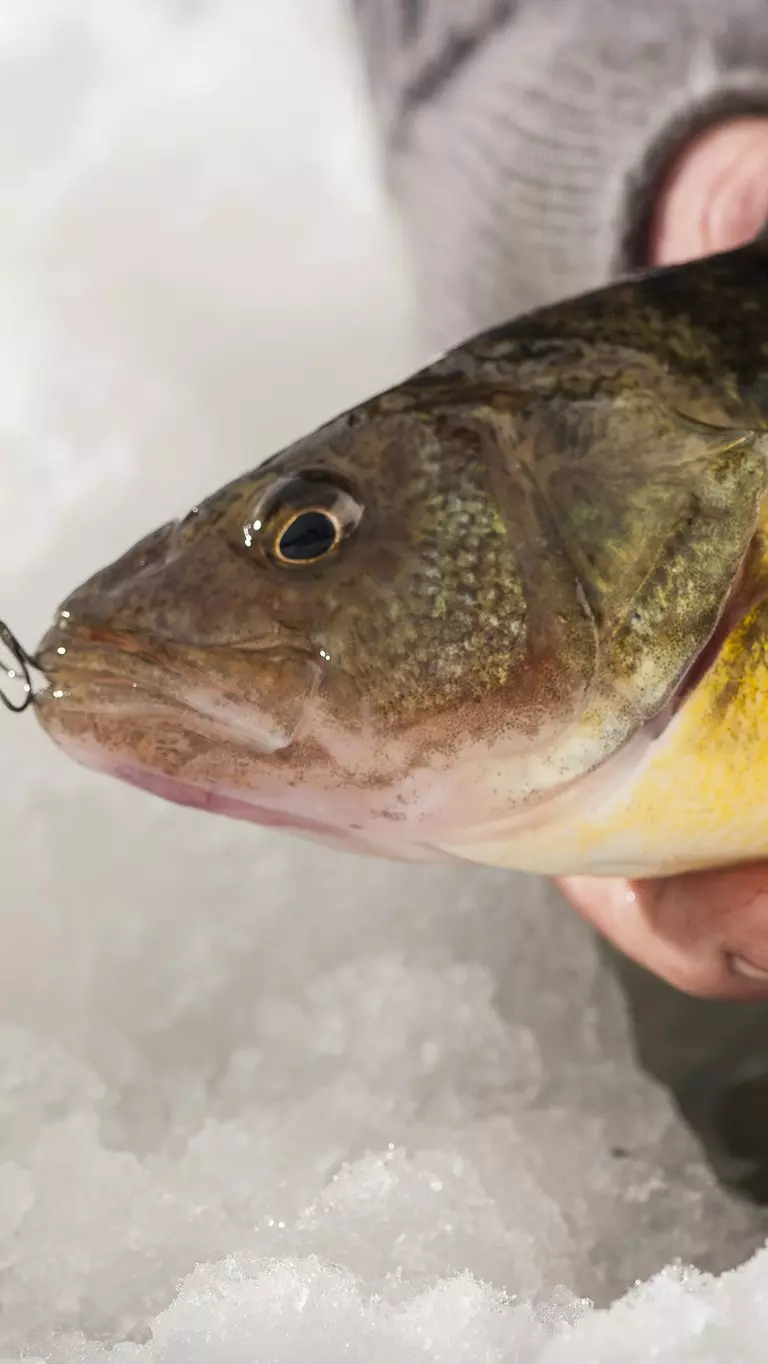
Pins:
<point x="512" y="611"/>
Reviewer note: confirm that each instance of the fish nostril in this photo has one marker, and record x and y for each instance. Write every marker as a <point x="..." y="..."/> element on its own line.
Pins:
<point x="150" y="552"/>
<point x="153" y="549"/>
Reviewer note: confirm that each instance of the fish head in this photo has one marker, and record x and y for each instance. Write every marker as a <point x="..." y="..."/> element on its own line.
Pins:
<point x="407" y="631"/>
<point x="321" y="642"/>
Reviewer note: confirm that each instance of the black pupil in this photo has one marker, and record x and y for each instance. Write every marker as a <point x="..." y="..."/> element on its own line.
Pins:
<point x="309" y="535"/>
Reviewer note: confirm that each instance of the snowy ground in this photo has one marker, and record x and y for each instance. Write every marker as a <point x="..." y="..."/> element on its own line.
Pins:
<point x="259" y="1101"/>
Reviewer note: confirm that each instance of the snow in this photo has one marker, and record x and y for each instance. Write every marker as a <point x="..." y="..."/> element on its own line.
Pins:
<point x="260" y="1101"/>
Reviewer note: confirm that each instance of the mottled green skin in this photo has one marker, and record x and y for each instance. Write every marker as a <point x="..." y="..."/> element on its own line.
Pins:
<point x="554" y="515"/>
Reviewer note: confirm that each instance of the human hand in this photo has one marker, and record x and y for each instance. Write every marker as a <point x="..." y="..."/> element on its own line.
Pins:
<point x="705" y="933"/>
<point x="715" y="196"/>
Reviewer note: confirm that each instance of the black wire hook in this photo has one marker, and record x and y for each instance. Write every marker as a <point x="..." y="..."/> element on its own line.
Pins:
<point x="19" y="673"/>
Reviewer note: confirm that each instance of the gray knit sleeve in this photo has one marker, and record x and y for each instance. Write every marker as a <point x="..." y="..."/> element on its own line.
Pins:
<point x="523" y="138"/>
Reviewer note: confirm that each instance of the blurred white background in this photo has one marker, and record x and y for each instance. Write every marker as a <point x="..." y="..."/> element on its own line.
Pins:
<point x="368" y="1101"/>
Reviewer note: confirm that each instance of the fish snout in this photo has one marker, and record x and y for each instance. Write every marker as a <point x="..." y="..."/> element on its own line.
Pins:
<point x="113" y="591"/>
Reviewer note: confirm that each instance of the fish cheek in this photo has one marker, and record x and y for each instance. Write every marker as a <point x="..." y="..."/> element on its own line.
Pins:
<point x="479" y="612"/>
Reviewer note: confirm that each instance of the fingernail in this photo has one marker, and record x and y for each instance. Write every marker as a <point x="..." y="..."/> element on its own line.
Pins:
<point x="742" y="966"/>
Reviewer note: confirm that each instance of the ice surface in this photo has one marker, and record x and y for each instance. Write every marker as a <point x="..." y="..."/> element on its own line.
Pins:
<point x="259" y="1101"/>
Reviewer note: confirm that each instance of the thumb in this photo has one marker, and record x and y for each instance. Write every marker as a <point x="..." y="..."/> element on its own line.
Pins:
<point x="715" y="196"/>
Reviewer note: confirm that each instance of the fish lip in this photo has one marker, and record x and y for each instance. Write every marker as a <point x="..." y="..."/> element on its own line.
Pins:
<point x="112" y="674"/>
<point x="97" y="658"/>
<point x="80" y="642"/>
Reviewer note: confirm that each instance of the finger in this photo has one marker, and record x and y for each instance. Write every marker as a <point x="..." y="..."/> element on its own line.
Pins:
<point x="706" y="933"/>
<point x="715" y="196"/>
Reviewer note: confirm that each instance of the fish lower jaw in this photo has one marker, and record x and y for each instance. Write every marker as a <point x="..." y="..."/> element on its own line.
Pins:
<point x="268" y="805"/>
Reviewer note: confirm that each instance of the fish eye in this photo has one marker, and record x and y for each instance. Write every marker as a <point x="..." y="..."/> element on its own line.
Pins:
<point x="303" y="519"/>
<point x="310" y="535"/>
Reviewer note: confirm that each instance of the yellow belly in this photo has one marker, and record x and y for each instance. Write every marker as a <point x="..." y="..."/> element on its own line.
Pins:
<point x="698" y="797"/>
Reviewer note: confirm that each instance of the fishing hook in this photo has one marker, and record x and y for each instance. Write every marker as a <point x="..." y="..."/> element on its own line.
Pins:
<point x="19" y="672"/>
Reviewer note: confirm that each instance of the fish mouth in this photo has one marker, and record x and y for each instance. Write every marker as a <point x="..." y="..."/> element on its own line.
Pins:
<point x="100" y="670"/>
<point x="104" y="680"/>
<point x="213" y="691"/>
